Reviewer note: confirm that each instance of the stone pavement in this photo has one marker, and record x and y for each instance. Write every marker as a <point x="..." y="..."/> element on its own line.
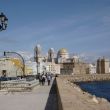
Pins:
<point x="41" y="98"/>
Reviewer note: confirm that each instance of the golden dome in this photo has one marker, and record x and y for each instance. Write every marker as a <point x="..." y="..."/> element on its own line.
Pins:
<point x="62" y="50"/>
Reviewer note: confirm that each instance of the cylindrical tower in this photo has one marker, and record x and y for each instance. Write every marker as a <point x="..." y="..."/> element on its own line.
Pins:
<point x="51" y="55"/>
<point x="37" y="53"/>
<point x="99" y="66"/>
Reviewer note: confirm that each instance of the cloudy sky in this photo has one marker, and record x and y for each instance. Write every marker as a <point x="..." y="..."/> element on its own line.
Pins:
<point x="81" y="26"/>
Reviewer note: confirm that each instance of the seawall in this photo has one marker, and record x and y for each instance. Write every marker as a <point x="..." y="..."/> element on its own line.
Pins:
<point x="86" y="77"/>
<point x="71" y="97"/>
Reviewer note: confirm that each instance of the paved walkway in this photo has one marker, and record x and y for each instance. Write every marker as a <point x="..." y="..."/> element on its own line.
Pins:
<point x="41" y="98"/>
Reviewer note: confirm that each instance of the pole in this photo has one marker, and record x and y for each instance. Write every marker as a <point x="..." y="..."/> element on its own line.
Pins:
<point x="0" y="84"/>
<point x="38" y="67"/>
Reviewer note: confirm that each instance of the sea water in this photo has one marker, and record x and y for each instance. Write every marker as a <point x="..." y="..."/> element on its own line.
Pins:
<point x="97" y="88"/>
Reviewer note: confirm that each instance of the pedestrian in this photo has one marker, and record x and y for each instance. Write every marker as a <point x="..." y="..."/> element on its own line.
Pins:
<point x="43" y="79"/>
<point x="49" y="79"/>
<point x="40" y="79"/>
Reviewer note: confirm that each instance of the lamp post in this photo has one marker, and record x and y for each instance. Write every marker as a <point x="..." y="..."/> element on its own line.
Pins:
<point x="38" y="68"/>
<point x="23" y="68"/>
<point x="3" y="22"/>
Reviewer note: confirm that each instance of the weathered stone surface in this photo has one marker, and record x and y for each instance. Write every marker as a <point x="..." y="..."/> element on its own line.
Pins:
<point x="71" y="98"/>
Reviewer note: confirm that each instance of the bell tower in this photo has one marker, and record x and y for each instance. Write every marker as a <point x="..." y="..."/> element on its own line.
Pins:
<point x="37" y="53"/>
<point x="51" y="55"/>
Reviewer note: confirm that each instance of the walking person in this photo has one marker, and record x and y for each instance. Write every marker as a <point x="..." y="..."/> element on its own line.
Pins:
<point x="43" y="79"/>
<point x="40" y="79"/>
<point x="48" y="79"/>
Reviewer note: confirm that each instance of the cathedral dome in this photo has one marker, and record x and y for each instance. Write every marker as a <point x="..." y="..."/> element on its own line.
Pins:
<point x="63" y="53"/>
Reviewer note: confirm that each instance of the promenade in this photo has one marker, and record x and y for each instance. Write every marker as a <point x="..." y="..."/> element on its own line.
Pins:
<point x="41" y="98"/>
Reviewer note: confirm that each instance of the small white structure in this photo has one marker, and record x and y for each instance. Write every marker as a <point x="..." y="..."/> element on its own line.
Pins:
<point x="92" y="69"/>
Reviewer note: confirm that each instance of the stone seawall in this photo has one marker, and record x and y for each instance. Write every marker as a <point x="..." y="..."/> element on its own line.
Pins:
<point x="71" y="97"/>
<point x="86" y="77"/>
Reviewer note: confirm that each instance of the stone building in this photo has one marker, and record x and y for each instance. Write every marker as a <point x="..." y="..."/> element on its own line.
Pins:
<point x="103" y="66"/>
<point x="10" y="67"/>
<point x="91" y="69"/>
<point x="52" y="67"/>
<point x="67" y="68"/>
<point x="70" y="65"/>
<point x="70" y="68"/>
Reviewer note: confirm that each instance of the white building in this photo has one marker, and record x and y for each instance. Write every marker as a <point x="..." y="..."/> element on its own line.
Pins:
<point x="92" y="69"/>
<point x="31" y="68"/>
<point x="53" y="68"/>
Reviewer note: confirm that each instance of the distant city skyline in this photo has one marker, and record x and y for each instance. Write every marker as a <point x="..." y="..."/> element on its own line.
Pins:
<point x="82" y="27"/>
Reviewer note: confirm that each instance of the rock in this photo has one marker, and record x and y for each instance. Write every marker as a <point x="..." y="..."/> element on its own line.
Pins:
<point x="95" y="99"/>
<point x="78" y="89"/>
<point x="104" y="100"/>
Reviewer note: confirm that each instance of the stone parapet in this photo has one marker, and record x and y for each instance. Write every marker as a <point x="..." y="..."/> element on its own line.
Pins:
<point x="71" y="97"/>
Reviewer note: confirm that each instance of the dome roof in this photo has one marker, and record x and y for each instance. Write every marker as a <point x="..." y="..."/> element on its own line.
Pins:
<point x="37" y="50"/>
<point x="51" y="50"/>
<point x="38" y="47"/>
<point x="62" y="51"/>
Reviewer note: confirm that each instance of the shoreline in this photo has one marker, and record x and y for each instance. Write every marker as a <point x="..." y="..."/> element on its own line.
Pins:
<point x="90" y="78"/>
<point x="98" y="98"/>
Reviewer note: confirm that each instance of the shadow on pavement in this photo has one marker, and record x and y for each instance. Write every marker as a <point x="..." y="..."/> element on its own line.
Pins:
<point x="52" y="103"/>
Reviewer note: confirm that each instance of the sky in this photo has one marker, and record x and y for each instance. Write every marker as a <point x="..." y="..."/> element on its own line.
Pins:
<point x="81" y="26"/>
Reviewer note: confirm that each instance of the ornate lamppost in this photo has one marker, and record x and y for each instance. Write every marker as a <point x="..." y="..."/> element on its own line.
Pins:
<point x="3" y="22"/>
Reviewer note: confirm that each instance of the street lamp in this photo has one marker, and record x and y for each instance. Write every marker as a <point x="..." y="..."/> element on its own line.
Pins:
<point x="23" y="68"/>
<point x="38" y="68"/>
<point x="3" y="22"/>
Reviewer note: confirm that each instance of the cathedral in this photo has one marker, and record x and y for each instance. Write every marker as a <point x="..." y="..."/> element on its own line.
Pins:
<point x="60" y="63"/>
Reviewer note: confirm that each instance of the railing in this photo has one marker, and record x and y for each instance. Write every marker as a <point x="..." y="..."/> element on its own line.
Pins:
<point x="18" y="85"/>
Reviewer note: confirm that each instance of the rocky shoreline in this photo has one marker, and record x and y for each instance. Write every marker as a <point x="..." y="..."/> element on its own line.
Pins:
<point x="90" y="96"/>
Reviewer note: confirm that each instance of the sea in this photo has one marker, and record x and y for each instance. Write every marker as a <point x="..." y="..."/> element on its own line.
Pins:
<point x="98" y="88"/>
